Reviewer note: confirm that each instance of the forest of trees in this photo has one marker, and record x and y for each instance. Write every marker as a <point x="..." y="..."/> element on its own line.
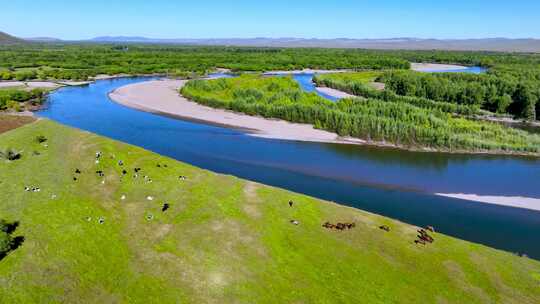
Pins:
<point x="501" y="94"/>
<point x="357" y="84"/>
<point x="376" y="120"/>
<point x="511" y="86"/>
<point x="498" y="92"/>
<point x="78" y="62"/>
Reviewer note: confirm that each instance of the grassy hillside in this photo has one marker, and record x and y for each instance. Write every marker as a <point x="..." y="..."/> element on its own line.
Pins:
<point x="223" y="239"/>
<point x="8" y="39"/>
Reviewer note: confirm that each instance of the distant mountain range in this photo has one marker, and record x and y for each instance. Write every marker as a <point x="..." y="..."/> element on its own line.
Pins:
<point x="43" y="39"/>
<point x="8" y="39"/>
<point x="488" y="44"/>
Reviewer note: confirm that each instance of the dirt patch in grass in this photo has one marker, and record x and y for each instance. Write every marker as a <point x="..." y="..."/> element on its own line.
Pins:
<point x="10" y="122"/>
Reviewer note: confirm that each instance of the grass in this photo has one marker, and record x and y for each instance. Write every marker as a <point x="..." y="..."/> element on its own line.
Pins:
<point x="362" y="77"/>
<point x="224" y="240"/>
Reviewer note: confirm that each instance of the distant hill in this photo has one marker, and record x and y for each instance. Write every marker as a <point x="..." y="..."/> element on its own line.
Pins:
<point x="488" y="44"/>
<point x="43" y="39"/>
<point x="8" y="39"/>
<point x="485" y="44"/>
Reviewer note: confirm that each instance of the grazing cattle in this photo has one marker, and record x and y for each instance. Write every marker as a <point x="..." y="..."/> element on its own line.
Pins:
<point x="295" y="222"/>
<point x="137" y="170"/>
<point x="98" y="155"/>
<point x="424" y="236"/>
<point x="430" y="228"/>
<point x="101" y="220"/>
<point x="120" y="163"/>
<point x="124" y="172"/>
<point x="339" y="226"/>
<point x="150" y="198"/>
<point x="100" y="173"/>
<point x="291" y="203"/>
<point x="27" y="188"/>
<point x="182" y="177"/>
<point x="150" y="217"/>
<point x="158" y="165"/>
<point x="385" y="228"/>
<point x="123" y="197"/>
<point x="77" y="171"/>
<point x="74" y="178"/>
<point x="328" y="225"/>
<point x="165" y="207"/>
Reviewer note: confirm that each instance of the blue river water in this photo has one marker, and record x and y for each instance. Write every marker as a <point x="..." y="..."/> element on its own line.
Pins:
<point x="394" y="183"/>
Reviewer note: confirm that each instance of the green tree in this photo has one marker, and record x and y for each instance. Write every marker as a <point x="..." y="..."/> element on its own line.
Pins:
<point x="525" y="102"/>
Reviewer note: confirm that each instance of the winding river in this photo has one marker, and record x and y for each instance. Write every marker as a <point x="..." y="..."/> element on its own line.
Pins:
<point x="394" y="183"/>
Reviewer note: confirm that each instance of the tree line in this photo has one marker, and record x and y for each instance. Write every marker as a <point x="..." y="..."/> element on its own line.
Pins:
<point x="515" y="94"/>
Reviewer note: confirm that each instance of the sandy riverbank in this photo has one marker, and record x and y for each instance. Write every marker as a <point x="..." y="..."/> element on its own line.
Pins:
<point x="427" y="67"/>
<point x="41" y="84"/>
<point x="162" y="97"/>
<point x="306" y="71"/>
<point x="510" y="201"/>
<point x="334" y="93"/>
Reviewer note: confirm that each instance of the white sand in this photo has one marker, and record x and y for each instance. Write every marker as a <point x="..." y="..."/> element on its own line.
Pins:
<point x="74" y="83"/>
<point x="29" y="84"/>
<point x="306" y="71"/>
<point x="162" y="97"/>
<point x="427" y="67"/>
<point x="511" y="201"/>
<point x="334" y="93"/>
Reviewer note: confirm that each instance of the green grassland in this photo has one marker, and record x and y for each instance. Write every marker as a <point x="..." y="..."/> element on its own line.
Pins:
<point x="224" y="240"/>
<point x="361" y="77"/>
<point x="419" y="124"/>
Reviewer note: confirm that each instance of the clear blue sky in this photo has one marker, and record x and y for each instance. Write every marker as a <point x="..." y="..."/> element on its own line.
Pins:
<point x="278" y="18"/>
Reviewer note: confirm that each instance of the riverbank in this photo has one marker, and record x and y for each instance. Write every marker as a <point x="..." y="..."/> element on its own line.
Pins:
<point x="509" y="201"/>
<point x="52" y="85"/>
<point x="428" y="67"/>
<point x="162" y="97"/>
<point x="220" y="237"/>
<point x="307" y="71"/>
<point x="335" y="93"/>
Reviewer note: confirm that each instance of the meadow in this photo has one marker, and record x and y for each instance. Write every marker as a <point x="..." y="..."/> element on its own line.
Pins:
<point x="222" y="239"/>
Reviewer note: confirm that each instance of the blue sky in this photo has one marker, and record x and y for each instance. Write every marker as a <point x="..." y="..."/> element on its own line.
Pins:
<point x="277" y="18"/>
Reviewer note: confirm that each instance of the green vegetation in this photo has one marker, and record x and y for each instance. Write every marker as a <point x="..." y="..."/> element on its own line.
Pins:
<point x="6" y="240"/>
<point x="223" y="240"/>
<point x="19" y="99"/>
<point x="393" y="121"/>
<point x="78" y="62"/>
<point x="501" y="92"/>
<point x="510" y="87"/>
<point x="364" y="77"/>
<point x="359" y="84"/>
